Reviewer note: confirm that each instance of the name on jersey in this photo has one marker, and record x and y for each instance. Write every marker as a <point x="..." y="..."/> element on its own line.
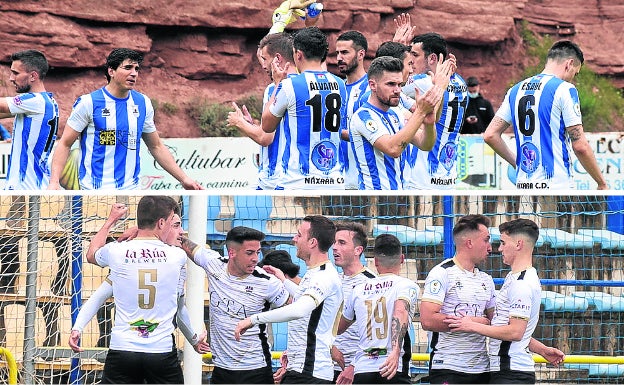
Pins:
<point x="146" y="256"/>
<point x="329" y="86"/>
<point x="316" y="180"/>
<point x="442" y="181"/>
<point x="456" y="88"/>
<point x="531" y="86"/>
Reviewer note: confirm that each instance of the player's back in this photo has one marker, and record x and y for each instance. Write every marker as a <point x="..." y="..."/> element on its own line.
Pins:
<point x="315" y="103"/>
<point x="34" y="134"/>
<point x="540" y="109"/>
<point x="146" y="274"/>
<point x="437" y="169"/>
<point x="372" y="305"/>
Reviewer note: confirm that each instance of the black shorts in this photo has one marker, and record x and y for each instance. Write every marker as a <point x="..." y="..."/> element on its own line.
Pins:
<point x="447" y="376"/>
<point x="122" y="367"/>
<point x="512" y="377"/>
<point x="376" y="378"/>
<point x="251" y="376"/>
<point x="293" y="377"/>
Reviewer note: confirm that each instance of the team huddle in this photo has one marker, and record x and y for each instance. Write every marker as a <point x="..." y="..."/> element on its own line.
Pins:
<point x="397" y="126"/>
<point x="370" y="311"/>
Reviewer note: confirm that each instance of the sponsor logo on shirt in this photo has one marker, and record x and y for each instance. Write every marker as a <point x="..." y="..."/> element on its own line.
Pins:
<point x="144" y="328"/>
<point x="17" y="100"/>
<point x="529" y="158"/>
<point x="371" y="126"/>
<point x="107" y="138"/>
<point x="105" y="112"/>
<point x="435" y="286"/>
<point x="324" y="155"/>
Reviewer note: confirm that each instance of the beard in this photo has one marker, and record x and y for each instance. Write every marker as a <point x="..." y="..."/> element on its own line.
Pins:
<point x="349" y="67"/>
<point x="23" y="88"/>
<point x="391" y="101"/>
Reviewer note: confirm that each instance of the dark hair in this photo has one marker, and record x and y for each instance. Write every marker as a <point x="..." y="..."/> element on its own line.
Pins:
<point x="388" y="249"/>
<point x="359" y="232"/>
<point x="565" y="49"/>
<point x="393" y="49"/>
<point x="431" y="43"/>
<point x="472" y="81"/>
<point x="33" y="60"/>
<point x="282" y="260"/>
<point x="470" y="223"/>
<point x="281" y="43"/>
<point x="117" y="56"/>
<point x="520" y="226"/>
<point x="312" y="42"/>
<point x="359" y="40"/>
<point x="384" y="64"/>
<point x="323" y="230"/>
<point x="152" y="208"/>
<point x="240" y="234"/>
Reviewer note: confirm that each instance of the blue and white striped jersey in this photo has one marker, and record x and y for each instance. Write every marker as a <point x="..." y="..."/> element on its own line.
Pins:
<point x="315" y="103"/>
<point x="34" y="133"/>
<point x="271" y="157"/>
<point x="437" y="169"/>
<point x="356" y="97"/>
<point x="377" y="170"/>
<point x="110" y="135"/>
<point x="539" y="109"/>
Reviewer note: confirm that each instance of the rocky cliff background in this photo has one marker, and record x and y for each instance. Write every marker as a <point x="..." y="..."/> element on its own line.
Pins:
<point x="206" y="48"/>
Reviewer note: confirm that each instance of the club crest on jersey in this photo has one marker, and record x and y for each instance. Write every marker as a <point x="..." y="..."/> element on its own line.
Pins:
<point x="324" y="156"/>
<point x="107" y="138"/>
<point x="435" y="286"/>
<point x="529" y="158"/>
<point x="105" y="112"/>
<point x="135" y="110"/>
<point x="448" y="155"/>
<point x="371" y="126"/>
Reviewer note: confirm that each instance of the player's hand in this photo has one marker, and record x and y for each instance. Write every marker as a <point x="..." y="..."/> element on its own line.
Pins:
<point x="275" y="271"/>
<point x="404" y="31"/>
<point x="202" y="346"/>
<point x="191" y="184"/>
<point x="279" y="73"/>
<point x="337" y="356"/>
<point x="444" y="70"/>
<point x="554" y="356"/>
<point x="54" y="185"/>
<point x="241" y="328"/>
<point x="118" y="211"/>
<point x="74" y="340"/>
<point x="389" y="368"/>
<point x="128" y="234"/>
<point x="346" y="376"/>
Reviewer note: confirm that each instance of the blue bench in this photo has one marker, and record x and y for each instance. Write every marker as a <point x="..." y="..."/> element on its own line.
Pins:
<point x="607" y="239"/>
<point x="599" y="370"/>
<point x="556" y="302"/>
<point x="409" y="236"/>
<point x="559" y="239"/>
<point x="601" y="301"/>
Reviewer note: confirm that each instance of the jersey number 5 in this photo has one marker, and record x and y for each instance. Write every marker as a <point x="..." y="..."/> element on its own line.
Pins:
<point x="147" y="279"/>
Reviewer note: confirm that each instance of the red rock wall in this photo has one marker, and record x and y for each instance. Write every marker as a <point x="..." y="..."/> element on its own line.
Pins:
<point x="199" y="48"/>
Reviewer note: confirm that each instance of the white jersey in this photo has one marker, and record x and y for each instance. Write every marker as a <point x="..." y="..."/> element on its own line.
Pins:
<point x="34" y="134"/>
<point x="310" y="338"/>
<point x="232" y="299"/>
<point x="371" y="306"/>
<point x="519" y="297"/>
<point x="437" y="169"/>
<point x="314" y="102"/>
<point x="540" y="109"/>
<point x="356" y="97"/>
<point x="110" y="135"/>
<point x="348" y="341"/>
<point x="378" y="171"/>
<point x="460" y="292"/>
<point x="146" y="275"/>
